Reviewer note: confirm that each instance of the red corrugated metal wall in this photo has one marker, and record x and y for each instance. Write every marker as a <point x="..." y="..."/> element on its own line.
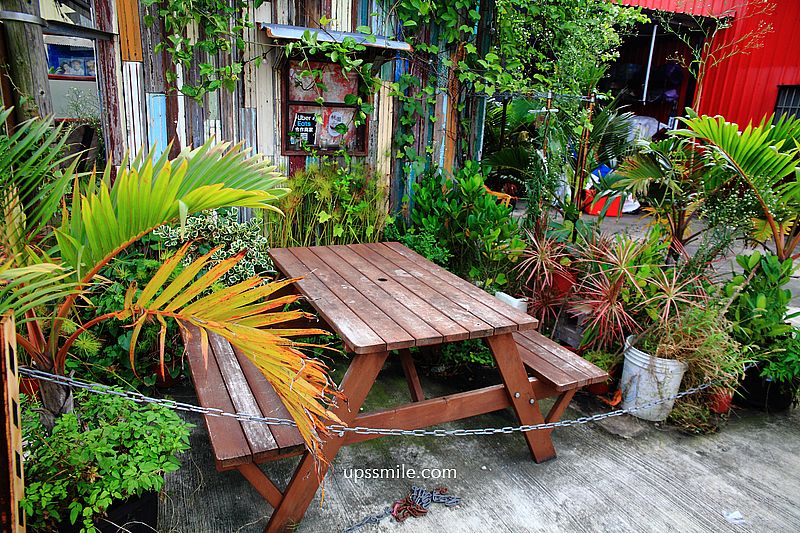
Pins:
<point x="744" y="87"/>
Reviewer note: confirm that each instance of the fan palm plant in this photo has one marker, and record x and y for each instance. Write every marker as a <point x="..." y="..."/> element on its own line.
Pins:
<point x="44" y="271"/>
<point x="675" y="182"/>
<point x="764" y="159"/>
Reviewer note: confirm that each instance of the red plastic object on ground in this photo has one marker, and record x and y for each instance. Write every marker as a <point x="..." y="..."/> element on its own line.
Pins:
<point x="593" y="207"/>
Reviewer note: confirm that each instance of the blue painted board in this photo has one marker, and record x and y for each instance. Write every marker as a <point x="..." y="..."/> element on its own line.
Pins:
<point x="157" y="123"/>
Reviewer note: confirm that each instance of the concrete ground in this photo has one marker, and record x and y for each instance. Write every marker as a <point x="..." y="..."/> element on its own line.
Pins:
<point x="619" y="475"/>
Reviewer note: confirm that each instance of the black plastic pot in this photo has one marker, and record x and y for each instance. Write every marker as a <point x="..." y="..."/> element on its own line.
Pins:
<point x="761" y="393"/>
<point x="136" y="515"/>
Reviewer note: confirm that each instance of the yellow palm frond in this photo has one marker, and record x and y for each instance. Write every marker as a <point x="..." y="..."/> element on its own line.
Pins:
<point x="248" y="315"/>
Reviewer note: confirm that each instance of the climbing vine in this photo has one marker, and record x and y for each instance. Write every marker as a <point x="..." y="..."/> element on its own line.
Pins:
<point x="204" y="28"/>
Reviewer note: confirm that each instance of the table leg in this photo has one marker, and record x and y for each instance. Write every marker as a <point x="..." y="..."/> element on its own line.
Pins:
<point x="303" y="486"/>
<point x="525" y="404"/>
<point x="412" y="378"/>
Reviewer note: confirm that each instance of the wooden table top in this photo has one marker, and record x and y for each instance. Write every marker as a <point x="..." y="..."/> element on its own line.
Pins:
<point x="383" y="296"/>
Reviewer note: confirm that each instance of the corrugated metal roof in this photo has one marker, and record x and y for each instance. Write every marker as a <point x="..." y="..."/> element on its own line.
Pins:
<point x="294" y="33"/>
<point x="703" y="8"/>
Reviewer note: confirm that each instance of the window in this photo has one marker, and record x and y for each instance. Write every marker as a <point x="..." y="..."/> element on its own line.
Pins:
<point x="788" y="101"/>
<point x="318" y="113"/>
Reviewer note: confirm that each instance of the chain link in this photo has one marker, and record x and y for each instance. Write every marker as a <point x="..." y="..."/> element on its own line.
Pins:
<point x="338" y="428"/>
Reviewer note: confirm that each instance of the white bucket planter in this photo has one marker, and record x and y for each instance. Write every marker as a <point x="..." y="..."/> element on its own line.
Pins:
<point x="517" y="303"/>
<point x="646" y="379"/>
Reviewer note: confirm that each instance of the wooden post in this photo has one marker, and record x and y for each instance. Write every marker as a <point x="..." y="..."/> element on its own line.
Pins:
<point x="12" y="481"/>
<point x="27" y="58"/>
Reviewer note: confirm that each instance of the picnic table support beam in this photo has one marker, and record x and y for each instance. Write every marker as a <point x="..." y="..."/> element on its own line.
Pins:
<point x="520" y="391"/>
<point x="440" y="410"/>
<point x="263" y="485"/>
<point x="355" y="386"/>
<point x="412" y="378"/>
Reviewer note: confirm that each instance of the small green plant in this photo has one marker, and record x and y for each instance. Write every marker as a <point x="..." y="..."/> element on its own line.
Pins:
<point x="221" y="229"/>
<point x="108" y="450"/>
<point x="481" y="234"/>
<point x="761" y="299"/>
<point x="330" y="203"/>
<point x="602" y="359"/>
<point x="783" y="364"/>
<point x="421" y="241"/>
<point x="103" y="354"/>
<point x="471" y="352"/>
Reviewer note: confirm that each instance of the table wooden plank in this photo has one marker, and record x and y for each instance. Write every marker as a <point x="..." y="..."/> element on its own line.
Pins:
<point x="524" y="320"/>
<point x="356" y="334"/>
<point x="258" y="435"/>
<point x="384" y="326"/>
<point x="226" y="435"/>
<point x="270" y="404"/>
<point x="474" y="326"/>
<point x="439" y="319"/>
<point x="451" y="287"/>
<point x="415" y="326"/>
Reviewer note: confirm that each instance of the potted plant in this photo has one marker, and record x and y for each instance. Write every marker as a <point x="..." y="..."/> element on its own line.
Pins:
<point x="759" y="307"/>
<point x="607" y="361"/>
<point x="692" y="347"/>
<point x="107" y="453"/>
<point x="774" y="384"/>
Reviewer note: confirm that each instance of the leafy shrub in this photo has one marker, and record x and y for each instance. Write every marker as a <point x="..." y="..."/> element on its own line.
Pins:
<point x="329" y="204"/>
<point x="464" y="219"/>
<point x="211" y="229"/>
<point x="760" y="307"/>
<point x="108" y="450"/>
<point x="472" y="351"/>
<point x="602" y="359"/>
<point x="783" y="364"/>
<point x="421" y="241"/>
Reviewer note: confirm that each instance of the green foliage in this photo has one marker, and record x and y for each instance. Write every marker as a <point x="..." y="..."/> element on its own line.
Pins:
<point x="763" y="160"/>
<point x="107" y="359"/>
<point x="783" y="363"/>
<point x="222" y="230"/>
<point x="761" y="299"/>
<point x="602" y="359"/>
<point x="556" y="44"/>
<point x="421" y="241"/>
<point x="330" y="204"/>
<point x="480" y="233"/>
<point x="679" y="189"/>
<point x="470" y="352"/>
<point x="108" y="450"/>
<point x="201" y="28"/>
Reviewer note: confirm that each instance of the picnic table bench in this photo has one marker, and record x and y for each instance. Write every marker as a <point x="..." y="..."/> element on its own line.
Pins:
<point x="379" y="298"/>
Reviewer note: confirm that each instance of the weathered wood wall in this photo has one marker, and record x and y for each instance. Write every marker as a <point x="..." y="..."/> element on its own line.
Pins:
<point x="153" y="114"/>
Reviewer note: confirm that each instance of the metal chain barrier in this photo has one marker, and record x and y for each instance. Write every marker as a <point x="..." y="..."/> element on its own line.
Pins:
<point x="338" y="428"/>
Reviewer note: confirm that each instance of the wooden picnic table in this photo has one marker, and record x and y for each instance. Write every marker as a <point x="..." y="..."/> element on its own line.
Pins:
<point x="379" y="298"/>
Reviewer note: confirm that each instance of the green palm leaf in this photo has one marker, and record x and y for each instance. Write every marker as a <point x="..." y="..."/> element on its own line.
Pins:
<point x="765" y="158"/>
<point x="148" y="193"/>
<point x="23" y="289"/>
<point x="34" y="176"/>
